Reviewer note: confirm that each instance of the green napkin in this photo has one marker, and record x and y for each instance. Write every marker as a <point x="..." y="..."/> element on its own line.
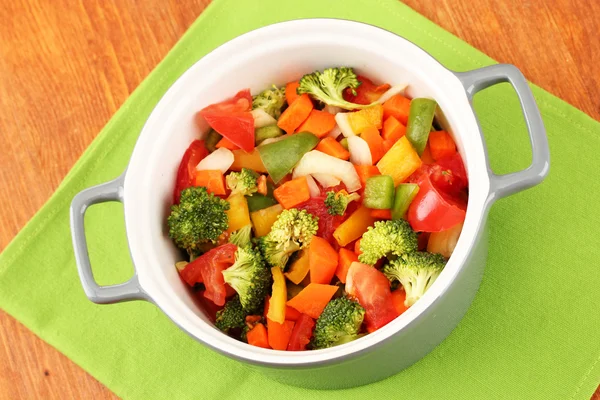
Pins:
<point x="532" y="332"/>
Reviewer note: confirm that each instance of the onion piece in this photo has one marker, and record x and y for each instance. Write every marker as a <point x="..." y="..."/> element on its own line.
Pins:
<point x="335" y="132"/>
<point x="326" y="180"/>
<point x="332" y="109"/>
<point x="342" y="122"/>
<point x="262" y="118"/>
<point x="444" y="242"/>
<point x="360" y="154"/>
<point x="220" y="159"/>
<point x="316" y="162"/>
<point x="272" y="140"/>
<point x="394" y="90"/>
<point x="313" y="188"/>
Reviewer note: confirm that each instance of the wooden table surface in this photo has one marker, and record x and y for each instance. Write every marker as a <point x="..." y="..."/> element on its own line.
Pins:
<point x="67" y="66"/>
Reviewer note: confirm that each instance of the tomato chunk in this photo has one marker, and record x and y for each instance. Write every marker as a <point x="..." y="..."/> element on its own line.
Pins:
<point x="301" y="333"/>
<point x="187" y="167"/>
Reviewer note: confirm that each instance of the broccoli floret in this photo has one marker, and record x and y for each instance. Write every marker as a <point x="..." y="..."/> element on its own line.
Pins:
<point x="244" y="182"/>
<point x="339" y="323"/>
<point x="242" y="237"/>
<point x="231" y="316"/>
<point x="292" y="231"/>
<point x="249" y="277"/>
<point x="338" y="202"/>
<point x="329" y="86"/>
<point x="387" y="239"/>
<point x="416" y="272"/>
<point x="270" y="100"/>
<point x="199" y="218"/>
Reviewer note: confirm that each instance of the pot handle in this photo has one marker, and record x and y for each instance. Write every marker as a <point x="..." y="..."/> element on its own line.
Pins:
<point x="505" y="185"/>
<point x="130" y="290"/>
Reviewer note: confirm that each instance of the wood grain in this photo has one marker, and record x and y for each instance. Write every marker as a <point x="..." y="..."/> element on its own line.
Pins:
<point x="67" y="66"/>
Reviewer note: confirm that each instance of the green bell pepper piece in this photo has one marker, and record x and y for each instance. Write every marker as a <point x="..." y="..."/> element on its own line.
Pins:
<point x="420" y="119"/>
<point x="405" y="193"/>
<point x="211" y="140"/>
<point x="266" y="132"/>
<point x="280" y="157"/>
<point x="379" y="192"/>
<point x="259" y="201"/>
<point x="344" y="143"/>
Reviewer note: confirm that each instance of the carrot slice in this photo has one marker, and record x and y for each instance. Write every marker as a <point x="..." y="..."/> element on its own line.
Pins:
<point x="398" y="298"/>
<point x="295" y="114"/>
<point x="261" y="183"/>
<point x="226" y="143"/>
<point x="291" y="314"/>
<point x="397" y="106"/>
<point x="278" y="335"/>
<point x="291" y="93"/>
<point x="365" y="172"/>
<point x="332" y="147"/>
<point x="426" y="156"/>
<point x="292" y="193"/>
<point x="375" y="142"/>
<point x="345" y="259"/>
<point x="382" y="214"/>
<point x="393" y="130"/>
<point x="322" y="259"/>
<point x="212" y="180"/>
<point x="319" y="123"/>
<point x="357" y="248"/>
<point x="257" y="336"/>
<point x="441" y="144"/>
<point x="313" y="299"/>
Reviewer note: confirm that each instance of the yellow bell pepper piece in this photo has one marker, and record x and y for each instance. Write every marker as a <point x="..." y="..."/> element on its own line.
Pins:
<point x="354" y="227"/>
<point x="400" y="161"/>
<point x="297" y="272"/>
<point x="278" y="297"/>
<point x="252" y="161"/>
<point x="263" y="219"/>
<point x="238" y="215"/>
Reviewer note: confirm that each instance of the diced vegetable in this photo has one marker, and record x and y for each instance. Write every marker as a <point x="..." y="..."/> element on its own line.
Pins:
<point x="393" y="129"/>
<point x="397" y="106"/>
<point x="313" y="299"/>
<point x="278" y="298"/>
<point x="354" y="123"/>
<point x="390" y="163"/>
<point x="354" y="227"/>
<point x="220" y="159"/>
<point x="279" y="158"/>
<point x="426" y="157"/>
<point x="299" y="268"/>
<point x="419" y="122"/>
<point x="344" y="143"/>
<point x="373" y="138"/>
<point x="316" y="162"/>
<point x="398" y="298"/>
<point x="266" y="132"/>
<point x="394" y="90"/>
<point x="291" y="93"/>
<point x="259" y="201"/>
<point x="360" y="154"/>
<point x="295" y="114"/>
<point x="261" y="185"/>
<point x="379" y="192"/>
<point x="444" y="242"/>
<point x="313" y="188"/>
<point x="292" y="193"/>
<point x="345" y="259"/>
<point x="319" y="123"/>
<point x="441" y="145"/>
<point x="405" y="193"/>
<point x="367" y="92"/>
<point x="211" y="139"/>
<point x="326" y="180"/>
<point x="382" y="214"/>
<point x="322" y="259"/>
<point x="187" y="167"/>
<point x="335" y="132"/>
<point x="227" y="144"/>
<point x="252" y="161"/>
<point x="263" y="219"/>
<point x="261" y="119"/>
<point x="365" y="172"/>
<point x="238" y="214"/>
<point x="357" y="250"/>
<point x="291" y="314"/>
<point x="301" y="333"/>
<point x="257" y="336"/>
<point x="212" y="180"/>
<point x="332" y="147"/>
<point x="279" y="334"/>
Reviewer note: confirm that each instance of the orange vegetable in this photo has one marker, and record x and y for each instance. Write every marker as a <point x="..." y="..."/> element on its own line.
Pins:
<point x="252" y="161"/>
<point x="393" y="130"/>
<point x="261" y="182"/>
<point x="357" y="250"/>
<point x="365" y="172"/>
<point x="212" y="180"/>
<point x="332" y="147"/>
<point x="387" y="145"/>
<point x="319" y="123"/>
<point x="290" y="92"/>
<point x="292" y="193"/>
<point x="299" y="268"/>
<point x="291" y="314"/>
<point x="226" y="143"/>
<point x="323" y="260"/>
<point x="345" y="259"/>
<point x="278" y="297"/>
<point x="354" y="227"/>
<point x="279" y="334"/>
<point x="398" y="298"/>
<point x="313" y="299"/>
<point x="400" y="161"/>
<point x="381" y="214"/>
<point x="257" y="336"/>
<point x="295" y="114"/>
<point x="441" y="144"/>
<point x="426" y="156"/>
<point x="398" y="107"/>
<point x="375" y="142"/>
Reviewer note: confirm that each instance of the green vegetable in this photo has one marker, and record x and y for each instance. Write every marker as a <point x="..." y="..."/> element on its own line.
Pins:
<point x="211" y="140"/>
<point x="259" y="201"/>
<point x="339" y="323"/>
<point x="250" y="278"/>
<point x="271" y="100"/>
<point x="405" y="193"/>
<point x="266" y="132"/>
<point x="379" y="192"/>
<point x="280" y="157"/>
<point x="292" y="231"/>
<point x="420" y="119"/>
<point x="344" y="143"/>
<point x="338" y="202"/>
<point x="329" y="87"/>
<point x="242" y="237"/>
<point x="199" y="218"/>
<point x="232" y="316"/>
<point x="416" y="272"/>
<point x="387" y="239"/>
<point x="243" y="182"/>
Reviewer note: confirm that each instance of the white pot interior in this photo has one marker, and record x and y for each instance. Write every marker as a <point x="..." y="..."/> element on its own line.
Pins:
<point x="275" y="55"/>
